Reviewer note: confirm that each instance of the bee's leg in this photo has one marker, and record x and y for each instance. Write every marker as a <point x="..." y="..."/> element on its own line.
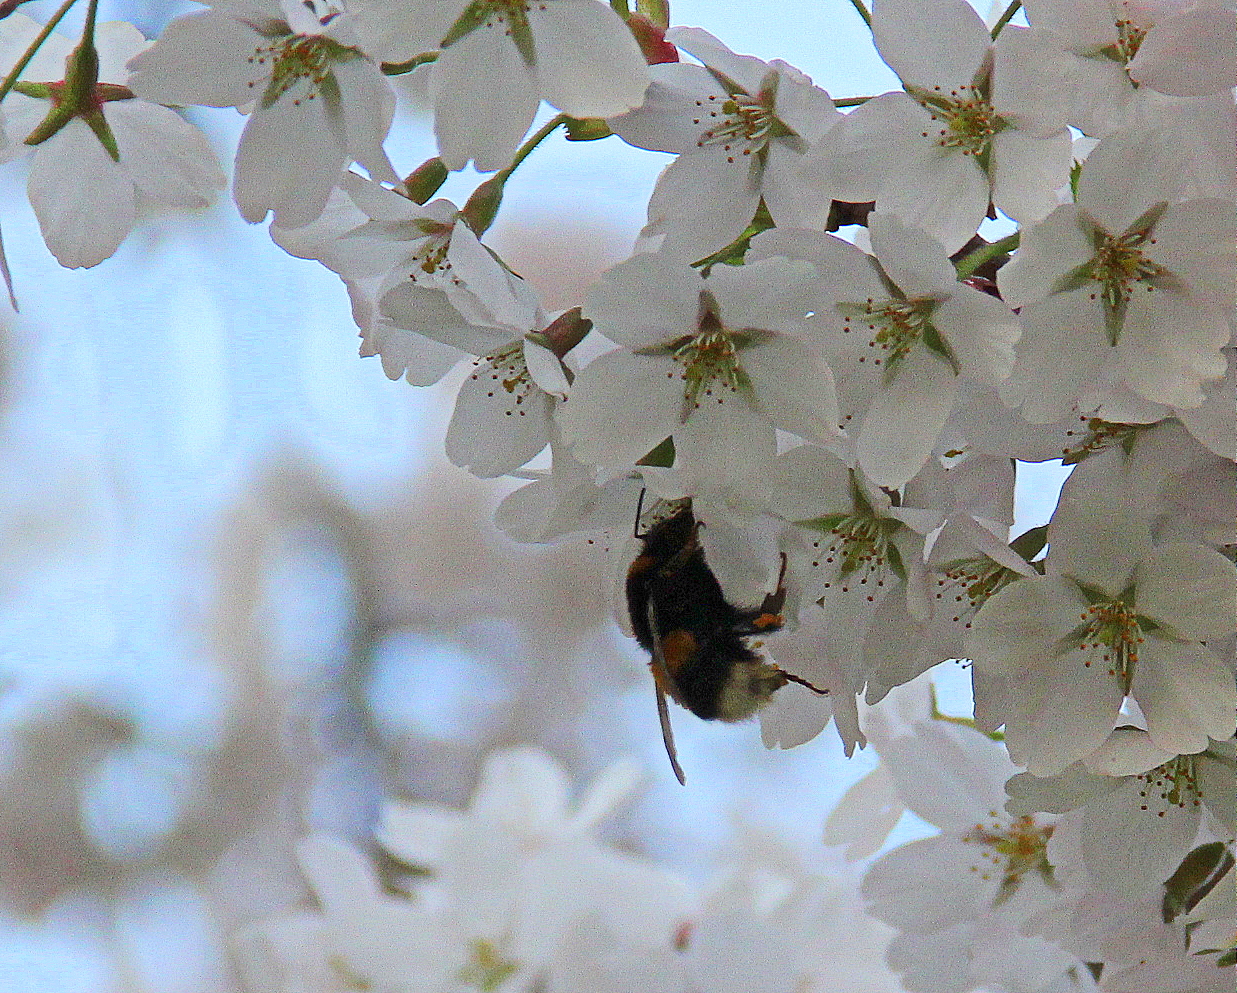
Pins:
<point x="635" y="528"/>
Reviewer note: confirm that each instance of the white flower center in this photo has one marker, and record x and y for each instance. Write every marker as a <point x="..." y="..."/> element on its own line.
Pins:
<point x="297" y="58"/>
<point x="487" y="969"/>
<point x="856" y="551"/>
<point x="1173" y="784"/>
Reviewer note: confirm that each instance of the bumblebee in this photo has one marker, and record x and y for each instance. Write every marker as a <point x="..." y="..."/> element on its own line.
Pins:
<point x="696" y="637"/>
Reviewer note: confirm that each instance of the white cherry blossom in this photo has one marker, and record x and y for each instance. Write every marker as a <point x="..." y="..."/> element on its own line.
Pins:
<point x="1124" y="289"/>
<point x="1089" y="63"/>
<point x="1136" y="808"/>
<point x="741" y="129"/>
<point x="86" y="200"/>
<point x="318" y="101"/>
<point x="1114" y="615"/>
<point x="713" y="363"/>
<point x="500" y="58"/>
<point x="910" y="333"/>
<point x="960" y="898"/>
<point x="503" y="412"/>
<point x="937" y="154"/>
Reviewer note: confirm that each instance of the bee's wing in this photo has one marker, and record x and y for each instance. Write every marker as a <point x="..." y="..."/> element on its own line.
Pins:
<point x="663" y="711"/>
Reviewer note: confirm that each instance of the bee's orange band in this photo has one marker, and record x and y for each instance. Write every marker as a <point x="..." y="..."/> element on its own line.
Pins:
<point x="677" y="647"/>
<point x="766" y="621"/>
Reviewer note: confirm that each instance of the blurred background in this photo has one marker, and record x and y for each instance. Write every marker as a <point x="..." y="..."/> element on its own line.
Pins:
<point x="243" y="594"/>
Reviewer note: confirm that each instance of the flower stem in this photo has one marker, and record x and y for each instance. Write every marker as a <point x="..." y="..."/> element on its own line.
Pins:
<point x="1005" y="18"/>
<point x="482" y="207"/>
<point x="863" y="11"/>
<point x="851" y="101"/>
<point x="11" y="79"/>
<point x="537" y="138"/>
<point x="966" y="267"/>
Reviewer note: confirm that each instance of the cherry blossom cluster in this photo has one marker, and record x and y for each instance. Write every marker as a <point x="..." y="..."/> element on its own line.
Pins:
<point x="520" y="892"/>
<point x="841" y="336"/>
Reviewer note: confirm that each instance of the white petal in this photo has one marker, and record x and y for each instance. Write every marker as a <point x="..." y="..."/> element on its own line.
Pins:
<point x="1186" y="693"/>
<point x="1197" y="242"/>
<point x="1027" y="172"/>
<point x="1099" y="533"/>
<point x="621" y="406"/>
<point x="369" y="106"/>
<point x="290" y="157"/>
<point x="1014" y="625"/>
<point x="421" y="361"/>
<point x="205" y="58"/>
<point x="913" y="259"/>
<point x="416" y="834"/>
<point x="939" y="190"/>
<point x="981" y="332"/>
<point x="1056" y="245"/>
<point x="484" y="100"/>
<point x="1190" y="588"/>
<point x="704" y="199"/>
<point x="1128" y="751"/>
<point x="1170" y="346"/>
<point x="930" y="43"/>
<point x="1133" y="839"/>
<point x="429" y="312"/>
<point x="670" y="118"/>
<point x="794" y="387"/>
<point x="1127" y="173"/>
<point x="1189" y="53"/>
<point x="523" y="787"/>
<point x="588" y="63"/>
<point x="647" y="300"/>
<point x="501" y="419"/>
<point x="84" y="201"/>
<point x="168" y="159"/>
<point x="905" y="419"/>
<point x="117" y="42"/>
<point x="1061" y="354"/>
<point x="854" y="157"/>
<point x="865" y="815"/>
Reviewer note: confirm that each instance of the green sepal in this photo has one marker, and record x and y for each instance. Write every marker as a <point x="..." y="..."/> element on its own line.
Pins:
<point x="661" y="457"/>
<point x="56" y="119"/>
<point x="586" y="128"/>
<point x="657" y="11"/>
<point x="1030" y="543"/>
<point x="1195" y="877"/>
<point x="37" y="91"/>
<point x="481" y="208"/>
<point x="402" y="68"/>
<point x="102" y="130"/>
<point x="936" y="343"/>
<point x="896" y="565"/>
<point x="734" y="253"/>
<point x="1075" y="173"/>
<point x="426" y="180"/>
